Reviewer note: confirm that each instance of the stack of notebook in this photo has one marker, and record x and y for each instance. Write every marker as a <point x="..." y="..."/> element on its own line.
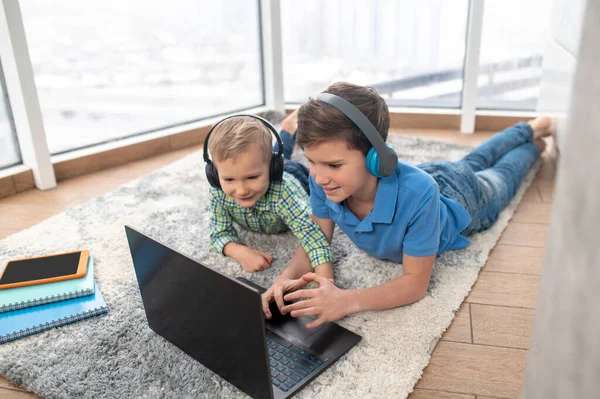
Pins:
<point x="35" y="308"/>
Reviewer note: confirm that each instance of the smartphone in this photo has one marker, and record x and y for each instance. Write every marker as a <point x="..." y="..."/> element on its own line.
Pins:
<point x="44" y="269"/>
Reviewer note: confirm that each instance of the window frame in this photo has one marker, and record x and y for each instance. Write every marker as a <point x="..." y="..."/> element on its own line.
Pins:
<point x="27" y="117"/>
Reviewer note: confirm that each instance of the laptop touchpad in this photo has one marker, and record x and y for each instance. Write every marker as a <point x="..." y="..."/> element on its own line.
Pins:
<point x="287" y="325"/>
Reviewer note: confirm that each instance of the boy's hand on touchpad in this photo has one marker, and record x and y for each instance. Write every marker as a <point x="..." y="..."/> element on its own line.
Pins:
<point x="277" y="291"/>
<point x="327" y="302"/>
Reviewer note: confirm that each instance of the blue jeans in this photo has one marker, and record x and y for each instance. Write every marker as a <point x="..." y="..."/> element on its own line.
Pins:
<point x="486" y="179"/>
<point x="299" y="171"/>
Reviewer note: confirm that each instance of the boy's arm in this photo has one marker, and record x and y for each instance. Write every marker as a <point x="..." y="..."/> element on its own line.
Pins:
<point x="220" y="223"/>
<point x="406" y="289"/>
<point x="223" y="237"/>
<point x="294" y="210"/>
<point x="331" y="303"/>
<point x="300" y="263"/>
<point x="420" y="245"/>
<point x="290" y="278"/>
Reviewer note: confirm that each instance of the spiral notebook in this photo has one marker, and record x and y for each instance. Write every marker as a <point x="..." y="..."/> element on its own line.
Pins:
<point x="23" y="322"/>
<point x="39" y="294"/>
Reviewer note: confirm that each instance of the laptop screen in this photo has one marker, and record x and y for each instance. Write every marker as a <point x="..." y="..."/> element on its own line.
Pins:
<point x="215" y="319"/>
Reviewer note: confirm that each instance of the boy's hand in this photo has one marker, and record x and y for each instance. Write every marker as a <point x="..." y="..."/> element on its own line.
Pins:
<point x="253" y="260"/>
<point x="328" y="302"/>
<point x="276" y="292"/>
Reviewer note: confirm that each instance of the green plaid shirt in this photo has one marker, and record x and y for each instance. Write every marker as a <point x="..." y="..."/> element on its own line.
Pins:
<point x="285" y="206"/>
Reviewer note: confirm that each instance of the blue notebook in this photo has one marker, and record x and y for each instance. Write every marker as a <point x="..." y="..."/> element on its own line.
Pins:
<point x="39" y="294"/>
<point x="23" y="322"/>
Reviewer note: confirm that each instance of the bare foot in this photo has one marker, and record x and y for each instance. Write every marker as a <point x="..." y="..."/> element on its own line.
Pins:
<point x="541" y="127"/>
<point x="541" y="144"/>
<point x="291" y="122"/>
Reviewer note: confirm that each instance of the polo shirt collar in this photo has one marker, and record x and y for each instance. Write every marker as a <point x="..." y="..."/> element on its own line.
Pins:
<point x="384" y="206"/>
<point x="335" y="206"/>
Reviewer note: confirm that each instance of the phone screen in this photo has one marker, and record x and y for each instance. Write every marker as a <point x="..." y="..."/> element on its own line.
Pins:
<point x="40" y="268"/>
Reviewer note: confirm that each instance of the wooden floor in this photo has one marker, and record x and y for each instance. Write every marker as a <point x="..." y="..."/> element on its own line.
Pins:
<point x="482" y="355"/>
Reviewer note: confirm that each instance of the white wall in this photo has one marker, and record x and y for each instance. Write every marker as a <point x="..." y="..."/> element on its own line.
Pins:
<point x="564" y="352"/>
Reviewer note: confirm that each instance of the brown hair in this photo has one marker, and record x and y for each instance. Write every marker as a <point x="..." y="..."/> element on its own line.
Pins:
<point x="319" y="121"/>
<point x="233" y="136"/>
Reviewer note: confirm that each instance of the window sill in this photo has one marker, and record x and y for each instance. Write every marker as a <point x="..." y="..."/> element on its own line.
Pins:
<point x="15" y="179"/>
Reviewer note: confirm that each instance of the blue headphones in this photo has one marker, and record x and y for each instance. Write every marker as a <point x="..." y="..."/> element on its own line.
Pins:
<point x="381" y="159"/>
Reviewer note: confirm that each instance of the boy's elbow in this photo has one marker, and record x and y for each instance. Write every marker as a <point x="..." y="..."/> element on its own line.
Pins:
<point x="415" y="296"/>
<point x="419" y="291"/>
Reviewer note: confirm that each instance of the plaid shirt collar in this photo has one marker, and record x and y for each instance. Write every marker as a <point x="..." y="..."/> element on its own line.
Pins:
<point x="265" y="203"/>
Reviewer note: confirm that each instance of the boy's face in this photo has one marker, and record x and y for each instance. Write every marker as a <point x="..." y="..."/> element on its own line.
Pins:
<point x="244" y="177"/>
<point x="339" y="170"/>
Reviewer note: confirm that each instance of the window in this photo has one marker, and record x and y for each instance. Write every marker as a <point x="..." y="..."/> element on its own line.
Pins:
<point x="412" y="52"/>
<point x="9" y="148"/>
<point x="107" y="69"/>
<point x="512" y="43"/>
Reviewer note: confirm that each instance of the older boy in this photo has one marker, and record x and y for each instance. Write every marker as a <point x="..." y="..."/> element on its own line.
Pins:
<point x="408" y="216"/>
<point x="245" y="192"/>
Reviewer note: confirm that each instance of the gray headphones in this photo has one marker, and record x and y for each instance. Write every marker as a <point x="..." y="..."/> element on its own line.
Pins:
<point x="381" y="160"/>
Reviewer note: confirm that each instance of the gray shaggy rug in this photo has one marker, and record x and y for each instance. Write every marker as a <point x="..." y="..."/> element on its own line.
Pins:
<point x="118" y="356"/>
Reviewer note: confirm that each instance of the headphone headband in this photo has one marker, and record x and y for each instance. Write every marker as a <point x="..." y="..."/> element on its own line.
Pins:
<point x="264" y="121"/>
<point x="388" y="158"/>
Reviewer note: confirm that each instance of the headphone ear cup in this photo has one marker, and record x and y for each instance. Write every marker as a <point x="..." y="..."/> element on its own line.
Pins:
<point x="276" y="169"/>
<point x="372" y="162"/>
<point x="212" y="175"/>
<point x="393" y="152"/>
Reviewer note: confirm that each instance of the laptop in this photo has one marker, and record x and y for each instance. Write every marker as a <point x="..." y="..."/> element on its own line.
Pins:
<point x="218" y="320"/>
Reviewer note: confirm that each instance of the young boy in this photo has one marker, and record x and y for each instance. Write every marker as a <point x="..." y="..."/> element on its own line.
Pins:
<point x="408" y="216"/>
<point x="242" y="154"/>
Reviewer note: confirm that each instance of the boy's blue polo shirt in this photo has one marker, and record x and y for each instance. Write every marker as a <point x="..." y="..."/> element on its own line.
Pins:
<point x="409" y="216"/>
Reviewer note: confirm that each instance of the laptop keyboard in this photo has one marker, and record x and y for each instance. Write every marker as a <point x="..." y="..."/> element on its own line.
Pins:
<point x="289" y="363"/>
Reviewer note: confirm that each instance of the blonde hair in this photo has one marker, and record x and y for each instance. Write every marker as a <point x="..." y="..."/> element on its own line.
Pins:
<point x="234" y="135"/>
